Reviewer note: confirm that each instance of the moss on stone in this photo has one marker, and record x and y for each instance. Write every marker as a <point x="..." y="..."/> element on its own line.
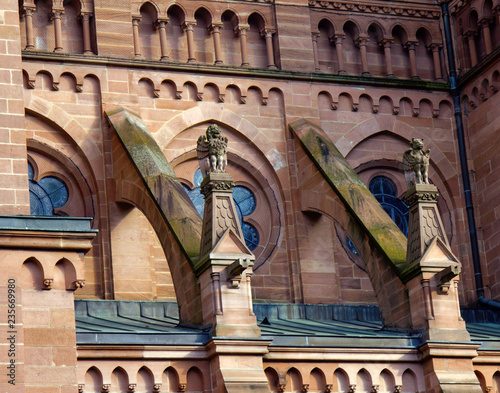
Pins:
<point x="160" y="180"/>
<point x="358" y="200"/>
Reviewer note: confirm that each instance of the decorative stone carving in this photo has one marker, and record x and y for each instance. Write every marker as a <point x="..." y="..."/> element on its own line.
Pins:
<point x="81" y="388"/>
<point x="398" y="389"/>
<point x="47" y="283"/>
<point x="131" y="387"/>
<point x="281" y="387"/>
<point x="78" y="284"/>
<point x="156" y="387"/>
<point x="352" y="389"/>
<point x="212" y="151"/>
<point x="182" y="387"/>
<point x="329" y="388"/>
<point x="105" y="388"/>
<point x="375" y="389"/>
<point x="416" y="163"/>
<point x="305" y="388"/>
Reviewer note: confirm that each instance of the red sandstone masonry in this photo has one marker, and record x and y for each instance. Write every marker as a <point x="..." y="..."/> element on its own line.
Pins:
<point x="13" y="145"/>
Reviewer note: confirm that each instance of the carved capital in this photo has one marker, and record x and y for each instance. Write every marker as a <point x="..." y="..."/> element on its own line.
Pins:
<point x="81" y="388"/>
<point x="156" y="387"/>
<point x="329" y="388"/>
<point x="352" y="389"/>
<point x="215" y="28"/>
<point x="398" y="389"/>
<point x="305" y="388"/>
<point x="220" y="185"/>
<point x="56" y="14"/>
<point x="182" y="387"/>
<point x="131" y="387"/>
<point x="105" y="388"/>
<point x="281" y="387"/>
<point x="375" y="389"/>
<point x="188" y="25"/>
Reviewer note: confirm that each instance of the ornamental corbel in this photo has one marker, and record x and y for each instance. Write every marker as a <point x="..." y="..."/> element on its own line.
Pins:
<point x="445" y="276"/>
<point x="105" y="388"/>
<point x="47" y="283"/>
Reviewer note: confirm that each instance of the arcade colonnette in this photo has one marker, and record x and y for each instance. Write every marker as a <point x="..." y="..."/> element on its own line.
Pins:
<point x="274" y="267"/>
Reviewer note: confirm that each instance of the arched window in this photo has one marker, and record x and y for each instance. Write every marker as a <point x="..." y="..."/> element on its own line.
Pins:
<point x="46" y="195"/>
<point x="385" y="191"/>
<point x="245" y="203"/>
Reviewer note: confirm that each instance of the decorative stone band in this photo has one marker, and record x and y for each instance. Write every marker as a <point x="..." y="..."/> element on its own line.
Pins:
<point x="427" y="12"/>
<point x="220" y="185"/>
<point x="421" y="196"/>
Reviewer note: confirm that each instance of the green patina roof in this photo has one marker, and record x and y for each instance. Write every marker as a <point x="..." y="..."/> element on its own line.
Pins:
<point x="290" y="325"/>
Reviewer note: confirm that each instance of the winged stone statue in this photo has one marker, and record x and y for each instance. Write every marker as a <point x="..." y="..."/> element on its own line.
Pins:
<point x="212" y="151"/>
<point x="416" y="163"/>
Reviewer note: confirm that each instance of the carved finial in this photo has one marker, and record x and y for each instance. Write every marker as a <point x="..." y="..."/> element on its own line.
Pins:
<point x="212" y="151"/>
<point x="416" y="163"/>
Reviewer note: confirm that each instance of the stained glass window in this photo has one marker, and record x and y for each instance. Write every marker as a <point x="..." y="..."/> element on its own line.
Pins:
<point x="385" y="191"/>
<point x="46" y="195"/>
<point x="245" y="203"/>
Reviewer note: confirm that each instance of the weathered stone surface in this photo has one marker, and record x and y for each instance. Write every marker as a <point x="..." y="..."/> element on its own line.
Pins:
<point x="160" y="180"/>
<point x="352" y="191"/>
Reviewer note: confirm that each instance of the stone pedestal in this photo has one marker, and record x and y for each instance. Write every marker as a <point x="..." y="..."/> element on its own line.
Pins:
<point x="224" y="274"/>
<point x="225" y="264"/>
<point x="432" y="277"/>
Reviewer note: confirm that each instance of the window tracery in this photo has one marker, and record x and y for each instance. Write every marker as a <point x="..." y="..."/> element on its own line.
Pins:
<point x="47" y="194"/>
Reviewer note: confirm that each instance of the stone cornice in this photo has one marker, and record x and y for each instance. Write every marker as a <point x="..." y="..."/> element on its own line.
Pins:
<point x="386" y="8"/>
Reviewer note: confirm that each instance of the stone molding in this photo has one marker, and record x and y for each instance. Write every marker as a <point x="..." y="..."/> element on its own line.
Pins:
<point x="377" y="8"/>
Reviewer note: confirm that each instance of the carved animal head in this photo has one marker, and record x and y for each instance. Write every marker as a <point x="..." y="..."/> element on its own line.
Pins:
<point x="417" y="144"/>
<point x="213" y="132"/>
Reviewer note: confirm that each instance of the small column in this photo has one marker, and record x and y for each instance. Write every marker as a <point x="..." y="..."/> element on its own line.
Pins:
<point x="484" y="25"/>
<point x="386" y="44"/>
<point x="340" y="53"/>
<point x="496" y="12"/>
<point x="412" y="46"/>
<point x="135" y="30"/>
<point x="472" y="47"/>
<point x="188" y="27"/>
<point x="241" y="31"/>
<point x="268" y="35"/>
<point x="28" y="15"/>
<point x="87" y="48"/>
<point x="161" y="25"/>
<point x="361" y="43"/>
<point x="315" y="36"/>
<point x="214" y="29"/>
<point x="56" y="17"/>
<point x="437" y="61"/>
